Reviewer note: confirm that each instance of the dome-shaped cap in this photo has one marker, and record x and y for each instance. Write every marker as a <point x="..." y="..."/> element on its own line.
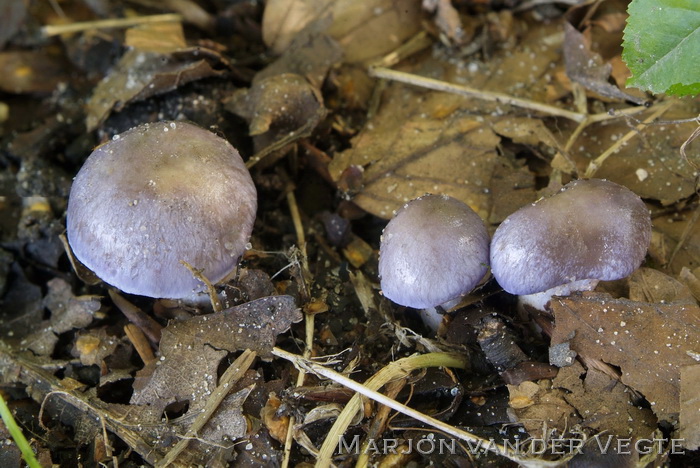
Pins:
<point x="591" y="229"/>
<point x="155" y="195"/>
<point x="434" y="250"/>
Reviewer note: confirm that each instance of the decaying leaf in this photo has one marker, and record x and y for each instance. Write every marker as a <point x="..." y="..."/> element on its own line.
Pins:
<point x="67" y="312"/>
<point x="541" y="408"/>
<point x="142" y="74"/>
<point x="603" y="403"/>
<point x="190" y="350"/>
<point x="434" y="147"/>
<point x="93" y="346"/>
<point x="277" y="106"/>
<point x="363" y="29"/>
<point x="447" y="20"/>
<point x="308" y="56"/>
<point x="689" y="429"/>
<point x="587" y="68"/>
<point x="649" y="342"/>
<point x="650" y="164"/>
<point x="671" y="230"/>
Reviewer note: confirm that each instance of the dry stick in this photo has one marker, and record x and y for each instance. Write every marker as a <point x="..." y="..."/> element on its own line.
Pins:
<point x="308" y="322"/>
<point x="232" y="374"/>
<point x="406" y="365"/>
<point x="211" y="290"/>
<point x="140" y="343"/>
<point x="501" y="98"/>
<point x="594" y="165"/>
<point x="145" y="322"/>
<point x="437" y="85"/>
<point x="54" y="30"/>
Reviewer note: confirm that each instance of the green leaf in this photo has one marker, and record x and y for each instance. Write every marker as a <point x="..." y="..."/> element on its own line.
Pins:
<point x="662" y="46"/>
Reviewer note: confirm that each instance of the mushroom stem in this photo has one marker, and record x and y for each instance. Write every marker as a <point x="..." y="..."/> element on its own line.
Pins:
<point x="540" y="300"/>
<point x="432" y="316"/>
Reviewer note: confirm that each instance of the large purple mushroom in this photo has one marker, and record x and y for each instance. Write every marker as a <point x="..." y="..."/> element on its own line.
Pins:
<point x="591" y="230"/>
<point x="154" y="196"/>
<point x="436" y="249"/>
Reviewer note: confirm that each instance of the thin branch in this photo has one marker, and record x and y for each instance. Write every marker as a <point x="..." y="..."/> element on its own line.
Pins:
<point x="404" y="365"/>
<point x="234" y="372"/>
<point x="56" y="29"/>
<point x="594" y="165"/>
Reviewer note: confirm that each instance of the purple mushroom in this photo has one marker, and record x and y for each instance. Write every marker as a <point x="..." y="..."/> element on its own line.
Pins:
<point x="589" y="231"/>
<point x="435" y="250"/>
<point x="154" y="196"/>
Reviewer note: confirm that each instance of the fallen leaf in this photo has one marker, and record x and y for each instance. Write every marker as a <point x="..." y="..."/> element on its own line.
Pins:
<point x="308" y="56"/>
<point x="190" y="350"/>
<point x="447" y="20"/>
<point x="650" y="164"/>
<point x="603" y="403"/>
<point x="587" y="68"/>
<point x="541" y="408"/>
<point x="689" y="430"/>
<point x="140" y="74"/>
<point x="434" y="147"/>
<point x="363" y="29"/>
<point x="67" y="312"/>
<point x="277" y="106"/>
<point x="648" y="342"/>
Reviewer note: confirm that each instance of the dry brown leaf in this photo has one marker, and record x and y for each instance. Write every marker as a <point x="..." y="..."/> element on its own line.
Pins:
<point x="541" y="408"/>
<point x="648" y="342"/>
<point x="434" y="147"/>
<point x="670" y="230"/>
<point x="447" y="20"/>
<point x="277" y="424"/>
<point x="649" y="164"/>
<point x="139" y="75"/>
<point x="430" y="142"/>
<point x="284" y="19"/>
<point x="689" y="429"/>
<point x="190" y="350"/>
<point x="162" y="38"/>
<point x="363" y="29"/>
<point x="603" y="403"/>
<point x="649" y="285"/>
<point x="277" y="106"/>
<point x="308" y="56"/>
<point x="94" y="345"/>
<point x="587" y="68"/>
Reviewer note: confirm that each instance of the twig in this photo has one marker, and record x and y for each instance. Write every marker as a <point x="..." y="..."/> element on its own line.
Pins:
<point x="309" y="319"/>
<point x="211" y="290"/>
<point x="232" y="374"/>
<point x="386" y="374"/>
<point x="56" y="29"/>
<point x="500" y="98"/>
<point x="594" y="165"/>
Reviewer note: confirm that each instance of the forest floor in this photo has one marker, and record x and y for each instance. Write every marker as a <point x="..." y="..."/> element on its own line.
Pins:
<point x="344" y="111"/>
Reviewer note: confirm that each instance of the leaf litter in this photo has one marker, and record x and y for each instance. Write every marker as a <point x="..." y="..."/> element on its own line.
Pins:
<point x="494" y="108"/>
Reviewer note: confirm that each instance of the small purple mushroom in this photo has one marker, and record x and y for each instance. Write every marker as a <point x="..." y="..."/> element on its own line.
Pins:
<point x="435" y="250"/>
<point x="154" y="196"/>
<point x="591" y="230"/>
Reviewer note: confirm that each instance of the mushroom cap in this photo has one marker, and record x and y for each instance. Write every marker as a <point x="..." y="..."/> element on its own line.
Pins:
<point x="435" y="249"/>
<point x="591" y="229"/>
<point x="155" y="195"/>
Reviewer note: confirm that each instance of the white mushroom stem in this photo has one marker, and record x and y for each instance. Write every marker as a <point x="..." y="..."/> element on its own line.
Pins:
<point x="432" y="318"/>
<point x="540" y="300"/>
